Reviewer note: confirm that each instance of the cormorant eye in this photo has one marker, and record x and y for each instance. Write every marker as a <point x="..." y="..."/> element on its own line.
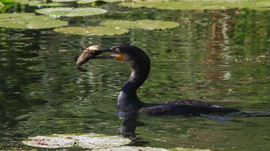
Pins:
<point x="117" y="49"/>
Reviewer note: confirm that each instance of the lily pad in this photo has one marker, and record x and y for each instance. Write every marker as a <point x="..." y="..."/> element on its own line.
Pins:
<point x="197" y="5"/>
<point x="183" y="5"/>
<point x="63" y="1"/>
<point x="96" y="142"/>
<point x="92" y="31"/>
<point x="89" y="141"/>
<point x="141" y="24"/>
<point x="22" y="1"/>
<point x="90" y="1"/>
<point x="71" y="12"/>
<point x="41" y="3"/>
<point x="29" y="21"/>
<point x="132" y="148"/>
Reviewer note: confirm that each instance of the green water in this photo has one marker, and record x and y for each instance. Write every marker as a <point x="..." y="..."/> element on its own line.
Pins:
<point x="219" y="56"/>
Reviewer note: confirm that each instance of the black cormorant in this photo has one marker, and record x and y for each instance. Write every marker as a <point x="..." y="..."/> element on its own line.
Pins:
<point x="140" y="64"/>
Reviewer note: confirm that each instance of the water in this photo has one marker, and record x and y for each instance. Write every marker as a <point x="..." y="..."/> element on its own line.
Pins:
<point x="214" y="56"/>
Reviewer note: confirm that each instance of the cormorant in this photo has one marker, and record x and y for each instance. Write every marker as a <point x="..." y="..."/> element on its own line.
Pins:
<point x="140" y="64"/>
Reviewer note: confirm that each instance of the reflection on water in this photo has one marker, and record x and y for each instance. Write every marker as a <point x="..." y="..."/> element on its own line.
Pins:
<point x="214" y="56"/>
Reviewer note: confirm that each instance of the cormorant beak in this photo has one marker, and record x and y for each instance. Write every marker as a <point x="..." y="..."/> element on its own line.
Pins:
<point x="92" y="54"/>
<point x="119" y="56"/>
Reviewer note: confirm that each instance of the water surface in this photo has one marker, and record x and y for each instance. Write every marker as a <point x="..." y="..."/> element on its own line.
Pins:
<point x="219" y="56"/>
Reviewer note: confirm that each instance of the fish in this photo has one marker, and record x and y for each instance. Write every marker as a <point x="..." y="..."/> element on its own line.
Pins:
<point x="87" y="55"/>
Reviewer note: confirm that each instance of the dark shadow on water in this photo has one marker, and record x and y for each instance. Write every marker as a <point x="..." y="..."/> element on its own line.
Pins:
<point x="128" y="128"/>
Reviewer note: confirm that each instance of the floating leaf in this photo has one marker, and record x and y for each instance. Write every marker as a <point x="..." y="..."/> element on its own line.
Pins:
<point x="90" y="1"/>
<point x="89" y="141"/>
<point x="85" y="1"/>
<point x="98" y="142"/>
<point x="92" y="31"/>
<point x="183" y="5"/>
<point x="29" y="21"/>
<point x="71" y="12"/>
<point x="64" y="1"/>
<point x="141" y="24"/>
<point x="21" y="1"/>
<point x="188" y="149"/>
<point x="41" y="3"/>
<point x="197" y="5"/>
<point x="133" y="148"/>
<point x="14" y="1"/>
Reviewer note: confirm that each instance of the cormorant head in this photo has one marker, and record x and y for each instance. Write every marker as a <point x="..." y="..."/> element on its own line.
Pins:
<point x="130" y="54"/>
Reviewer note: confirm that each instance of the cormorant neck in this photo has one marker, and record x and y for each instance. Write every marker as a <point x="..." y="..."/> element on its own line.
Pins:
<point x="127" y="98"/>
